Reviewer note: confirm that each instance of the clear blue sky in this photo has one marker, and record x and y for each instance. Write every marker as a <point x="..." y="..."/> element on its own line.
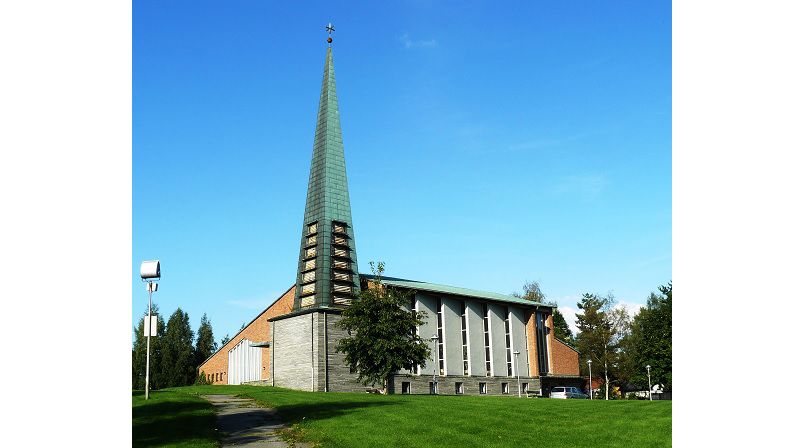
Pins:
<point x="487" y="144"/>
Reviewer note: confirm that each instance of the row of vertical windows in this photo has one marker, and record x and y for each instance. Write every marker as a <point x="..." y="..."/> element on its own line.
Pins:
<point x="459" y="388"/>
<point x="440" y="334"/>
<point x="464" y="338"/>
<point x="487" y="346"/>
<point x="509" y="364"/>
<point x="414" y="331"/>
<point x="342" y="270"/>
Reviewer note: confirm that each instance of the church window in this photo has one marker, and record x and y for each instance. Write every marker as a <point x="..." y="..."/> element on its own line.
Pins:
<point x="311" y="240"/>
<point x="311" y="252"/>
<point x="342" y="276"/>
<point x="507" y="323"/>
<point x="308" y="289"/>
<point x="340" y="240"/>
<point x="487" y="340"/>
<point x="482" y="388"/>
<point x="341" y="264"/>
<point x="339" y="227"/>
<point x="343" y="289"/>
<point x="459" y="388"/>
<point x="310" y="264"/>
<point x="309" y="276"/>
<point x="464" y="343"/>
<point x="312" y="228"/>
<point x="504" y="388"/>
<point x="440" y="334"/>
<point x="344" y="253"/>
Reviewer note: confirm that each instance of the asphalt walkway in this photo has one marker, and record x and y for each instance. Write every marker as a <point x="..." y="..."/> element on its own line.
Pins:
<point x="243" y="423"/>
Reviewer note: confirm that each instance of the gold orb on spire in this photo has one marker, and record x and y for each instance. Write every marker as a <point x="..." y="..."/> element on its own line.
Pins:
<point x="330" y="31"/>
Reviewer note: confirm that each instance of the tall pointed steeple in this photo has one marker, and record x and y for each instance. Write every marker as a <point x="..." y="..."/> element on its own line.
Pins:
<point x="327" y="273"/>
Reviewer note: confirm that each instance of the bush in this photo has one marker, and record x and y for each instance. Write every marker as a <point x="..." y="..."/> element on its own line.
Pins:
<point x="202" y="380"/>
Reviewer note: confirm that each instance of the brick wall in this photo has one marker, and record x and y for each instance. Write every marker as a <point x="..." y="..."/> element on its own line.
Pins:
<point x="565" y="359"/>
<point x="216" y="367"/>
<point x="533" y="357"/>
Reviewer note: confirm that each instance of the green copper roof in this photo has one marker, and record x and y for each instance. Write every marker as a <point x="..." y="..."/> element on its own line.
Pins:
<point x="454" y="290"/>
<point x="328" y="198"/>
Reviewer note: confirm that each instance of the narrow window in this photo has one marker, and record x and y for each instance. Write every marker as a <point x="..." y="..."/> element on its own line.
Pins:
<point x="433" y="388"/>
<point x="459" y="388"/>
<point x="312" y="228"/>
<point x="509" y="364"/>
<point x="339" y="227"/>
<point x="309" y="276"/>
<point x="486" y="341"/>
<point x="440" y="333"/>
<point x="310" y="264"/>
<point x="414" y="332"/>
<point x="406" y="387"/>
<point x="524" y="388"/>
<point x="311" y="240"/>
<point x="504" y="388"/>
<point x="311" y="252"/>
<point x="541" y="342"/>
<point x="482" y="388"/>
<point x="464" y="344"/>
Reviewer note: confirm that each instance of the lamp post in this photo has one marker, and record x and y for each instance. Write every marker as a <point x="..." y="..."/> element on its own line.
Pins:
<point x="516" y="369"/>
<point x="649" y="386"/>
<point x="434" y="339"/>
<point x="590" y="379"/>
<point x="150" y="271"/>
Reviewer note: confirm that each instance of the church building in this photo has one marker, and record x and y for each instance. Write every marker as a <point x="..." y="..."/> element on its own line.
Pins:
<point x="481" y="342"/>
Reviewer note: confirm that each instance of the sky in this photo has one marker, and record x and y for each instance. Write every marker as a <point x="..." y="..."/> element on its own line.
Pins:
<point x="486" y="145"/>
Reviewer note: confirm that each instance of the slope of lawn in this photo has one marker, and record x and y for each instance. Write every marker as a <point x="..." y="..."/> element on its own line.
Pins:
<point x="367" y="420"/>
<point x="173" y="419"/>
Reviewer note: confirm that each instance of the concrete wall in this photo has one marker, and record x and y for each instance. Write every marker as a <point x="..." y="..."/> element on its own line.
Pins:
<point x="428" y="303"/>
<point x="477" y="359"/>
<point x="498" y="339"/>
<point x="454" y="358"/>
<point x="518" y="339"/>
<point x="216" y="367"/>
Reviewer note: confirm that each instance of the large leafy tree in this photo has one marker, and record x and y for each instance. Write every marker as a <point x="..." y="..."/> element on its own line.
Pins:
<point x="650" y="341"/>
<point x="383" y="335"/>
<point x="602" y="327"/>
<point x="533" y="292"/>
<point x="139" y="353"/>
<point x="206" y="345"/>
<point x="177" y="351"/>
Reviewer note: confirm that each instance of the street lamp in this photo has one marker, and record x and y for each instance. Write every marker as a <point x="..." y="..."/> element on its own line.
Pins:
<point x="590" y="379"/>
<point x="434" y="339"/>
<point x="519" y="389"/>
<point x="650" y="387"/>
<point x="150" y="271"/>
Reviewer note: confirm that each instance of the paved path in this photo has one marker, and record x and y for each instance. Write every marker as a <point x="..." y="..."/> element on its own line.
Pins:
<point x="244" y="424"/>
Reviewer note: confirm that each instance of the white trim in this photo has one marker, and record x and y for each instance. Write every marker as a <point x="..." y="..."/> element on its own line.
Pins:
<point x="491" y="340"/>
<point x="511" y="343"/>
<point x="466" y="327"/>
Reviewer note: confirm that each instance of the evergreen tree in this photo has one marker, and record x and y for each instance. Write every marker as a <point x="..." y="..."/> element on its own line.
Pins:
<point x="533" y="292"/>
<point x="139" y="353"/>
<point x="177" y="351"/>
<point x="650" y="341"/>
<point x="601" y="329"/>
<point x="205" y="346"/>
<point x="224" y="341"/>
<point x="383" y="334"/>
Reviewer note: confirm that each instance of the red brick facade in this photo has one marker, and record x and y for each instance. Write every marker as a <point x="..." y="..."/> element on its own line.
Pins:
<point x="216" y="367"/>
<point x="565" y="359"/>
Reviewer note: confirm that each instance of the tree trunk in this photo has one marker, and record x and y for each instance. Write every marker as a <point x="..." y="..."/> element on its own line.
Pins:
<point x="605" y="370"/>
<point x="385" y="390"/>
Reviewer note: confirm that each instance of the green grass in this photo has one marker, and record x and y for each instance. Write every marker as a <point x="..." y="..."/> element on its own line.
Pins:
<point x="173" y="419"/>
<point x="366" y="420"/>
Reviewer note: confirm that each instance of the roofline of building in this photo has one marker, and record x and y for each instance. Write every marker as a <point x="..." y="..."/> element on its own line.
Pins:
<point x="248" y="324"/>
<point x="568" y="345"/>
<point x="467" y="292"/>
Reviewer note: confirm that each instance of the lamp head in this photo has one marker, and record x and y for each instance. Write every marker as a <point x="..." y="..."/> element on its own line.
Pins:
<point x="150" y="270"/>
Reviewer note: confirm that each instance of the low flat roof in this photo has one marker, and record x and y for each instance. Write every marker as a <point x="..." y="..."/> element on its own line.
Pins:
<point x="454" y="290"/>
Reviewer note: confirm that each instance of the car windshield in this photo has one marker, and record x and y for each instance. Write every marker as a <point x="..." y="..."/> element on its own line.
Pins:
<point x="558" y="389"/>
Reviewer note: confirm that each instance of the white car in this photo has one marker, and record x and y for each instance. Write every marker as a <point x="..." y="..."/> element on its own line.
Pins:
<point x="567" y="392"/>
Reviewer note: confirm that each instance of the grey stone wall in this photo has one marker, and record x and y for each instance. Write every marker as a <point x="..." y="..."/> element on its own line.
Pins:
<point x="292" y="363"/>
<point x="339" y="377"/>
<point x="420" y="384"/>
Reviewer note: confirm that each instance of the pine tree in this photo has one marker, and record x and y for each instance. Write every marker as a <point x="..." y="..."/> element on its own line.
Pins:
<point x="383" y="338"/>
<point x="601" y="329"/>
<point x="224" y="341"/>
<point x="139" y="353"/>
<point x="205" y="346"/>
<point x="177" y="351"/>
<point x="650" y="341"/>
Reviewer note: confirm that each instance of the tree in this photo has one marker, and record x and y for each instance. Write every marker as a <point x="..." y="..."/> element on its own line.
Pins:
<point x="205" y="346"/>
<point x="224" y="340"/>
<point x="383" y="335"/>
<point x="601" y="329"/>
<point x="177" y="352"/>
<point x="531" y="291"/>
<point x="650" y="341"/>
<point x="139" y="353"/>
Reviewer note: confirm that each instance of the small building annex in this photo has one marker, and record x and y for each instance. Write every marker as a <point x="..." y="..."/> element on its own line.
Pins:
<point x="292" y="342"/>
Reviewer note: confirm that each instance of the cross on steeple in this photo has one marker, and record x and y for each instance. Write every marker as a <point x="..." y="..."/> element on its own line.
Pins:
<point x="330" y="31"/>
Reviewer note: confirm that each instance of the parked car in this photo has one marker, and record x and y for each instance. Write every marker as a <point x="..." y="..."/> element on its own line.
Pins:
<point x="567" y="392"/>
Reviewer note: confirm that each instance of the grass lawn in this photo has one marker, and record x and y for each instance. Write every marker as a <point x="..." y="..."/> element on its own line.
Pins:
<point x="374" y="421"/>
<point x="173" y="419"/>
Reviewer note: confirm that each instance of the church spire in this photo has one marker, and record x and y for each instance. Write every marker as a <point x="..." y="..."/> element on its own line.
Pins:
<point x="327" y="273"/>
